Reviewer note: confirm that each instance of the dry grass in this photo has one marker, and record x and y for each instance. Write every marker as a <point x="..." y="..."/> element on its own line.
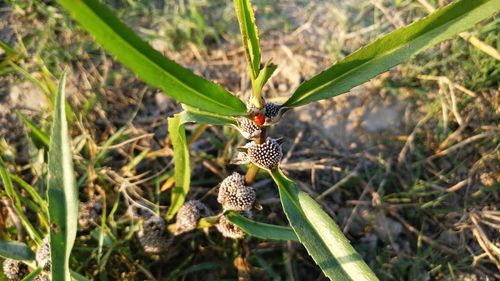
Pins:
<point x="407" y="164"/>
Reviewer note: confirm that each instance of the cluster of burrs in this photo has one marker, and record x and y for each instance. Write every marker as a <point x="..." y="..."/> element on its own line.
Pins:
<point x="152" y="235"/>
<point x="234" y="195"/>
<point x="15" y="270"/>
<point x="266" y="154"/>
<point x="151" y="232"/>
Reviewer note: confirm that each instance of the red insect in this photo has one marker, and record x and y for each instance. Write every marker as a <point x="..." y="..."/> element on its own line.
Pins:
<point x="259" y="119"/>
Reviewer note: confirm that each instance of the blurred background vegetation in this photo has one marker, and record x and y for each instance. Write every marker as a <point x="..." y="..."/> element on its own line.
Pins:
<point x="408" y="164"/>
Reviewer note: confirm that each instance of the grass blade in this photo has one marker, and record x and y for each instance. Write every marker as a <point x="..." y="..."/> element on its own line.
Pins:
<point x="32" y="274"/>
<point x="8" y="49"/>
<point x="16" y="250"/>
<point x="151" y="66"/>
<point x="392" y="49"/>
<point x="62" y="193"/>
<point x="261" y="230"/>
<point x="32" y="192"/>
<point x="322" y="238"/>
<point x="15" y="197"/>
<point x="182" y="173"/>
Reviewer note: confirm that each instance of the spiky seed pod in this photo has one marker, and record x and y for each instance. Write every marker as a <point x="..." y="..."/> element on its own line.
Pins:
<point x="266" y="155"/>
<point x="43" y="254"/>
<point x="154" y="224"/>
<point x="41" y="277"/>
<point x="153" y="243"/>
<point x="271" y="110"/>
<point x="189" y="214"/>
<point x="241" y="158"/>
<point x="248" y="128"/>
<point x="151" y="235"/>
<point x="89" y="214"/>
<point x="234" y="194"/>
<point x="230" y="230"/>
<point x="14" y="269"/>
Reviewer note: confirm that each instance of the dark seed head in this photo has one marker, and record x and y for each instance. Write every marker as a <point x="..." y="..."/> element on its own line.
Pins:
<point x="189" y="214"/>
<point x="151" y="235"/>
<point x="271" y="110"/>
<point x="154" y="224"/>
<point x="153" y="243"/>
<point x="43" y="254"/>
<point x="234" y="194"/>
<point x="266" y="155"/>
<point x="14" y="269"/>
<point x="230" y="230"/>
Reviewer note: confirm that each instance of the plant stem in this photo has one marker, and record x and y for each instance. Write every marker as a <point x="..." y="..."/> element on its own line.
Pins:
<point x="251" y="173"/>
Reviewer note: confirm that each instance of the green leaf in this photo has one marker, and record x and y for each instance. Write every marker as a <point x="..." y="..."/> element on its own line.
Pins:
<point x="249" y="35"/>
<point x="182" y="173"/>
<point x="261" y="230"/>
<point x="35" y="133"/>
<point x="31" y="191"/>
<point x="77" y="277"/>
<point x="192" y="115"/>
<point x="177" y="132"/>
<point x="151" y="66"/>
<point x="16" y="250"/>
<point x="62" y="192"/>
<point x="322" y="238"/>
<point x="264" y="76"/>
<point x="8" y="49"/>
<point x="392" y="49"/>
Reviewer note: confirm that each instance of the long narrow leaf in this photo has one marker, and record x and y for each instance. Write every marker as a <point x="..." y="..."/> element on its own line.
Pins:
<point x="151" y="66"/>
<point x="322" y="238"/>
<point x="62" y="193"/>
<point x="192" y="115"/>
<point x="392" y="49"/>
<point x="31" y="191"/>
<point x="182" y="173"/>
<point x="249" y="35"/>
<point x="261" y="230"/>
<point x="16" y="250"/>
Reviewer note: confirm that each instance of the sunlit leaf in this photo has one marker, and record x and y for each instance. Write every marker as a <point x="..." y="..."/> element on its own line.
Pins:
<point x="249" y="34"/>
<point x="62" y="193"/>
<point x="151" y="66"/>
<point x="392" y="49"/>
<point x="320" y="235"/>
<point x="182" y="173"/>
